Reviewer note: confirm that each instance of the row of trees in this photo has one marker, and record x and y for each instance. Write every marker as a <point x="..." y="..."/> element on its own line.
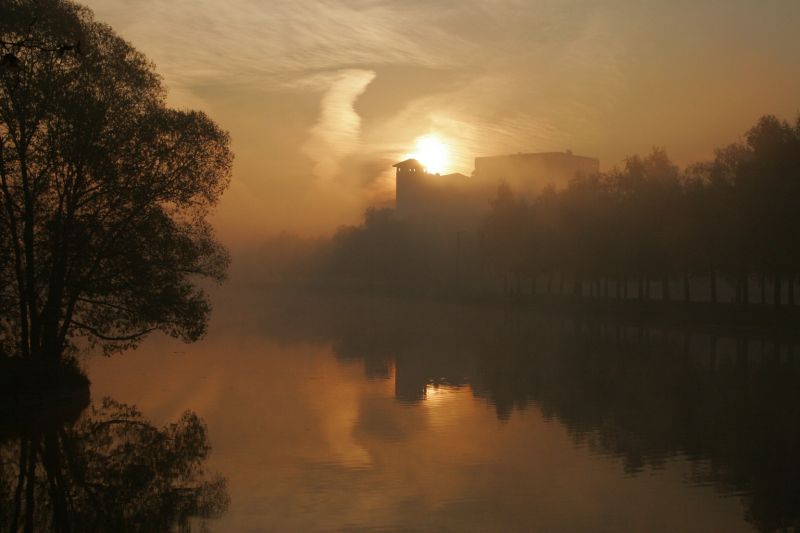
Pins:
<point x="734" y="218"/>
<point x="383" y="249"/>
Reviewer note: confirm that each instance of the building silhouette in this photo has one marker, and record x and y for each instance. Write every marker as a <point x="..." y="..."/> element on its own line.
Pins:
<point x="420" y="193"/>
<point x="528" y="174"/>
<point x="461" y="199"/>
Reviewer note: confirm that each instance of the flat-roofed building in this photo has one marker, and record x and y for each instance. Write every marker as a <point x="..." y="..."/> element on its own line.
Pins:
<point x="528" y="174"/>
<point x="448" y="210"/>
<point x="458" y="198"/>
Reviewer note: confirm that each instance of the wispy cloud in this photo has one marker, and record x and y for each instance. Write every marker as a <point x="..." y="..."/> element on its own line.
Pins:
<point x="511" y="59"/>
<point x="531" y="75"/>
<point x="336" y="133"/>
<point x="245" y="41"/>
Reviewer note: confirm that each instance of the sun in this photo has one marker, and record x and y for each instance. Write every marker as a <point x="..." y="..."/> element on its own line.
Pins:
<point x="431" y="152"/>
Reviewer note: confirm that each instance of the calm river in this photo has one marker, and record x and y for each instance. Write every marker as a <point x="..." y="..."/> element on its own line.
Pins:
<point x="363" y="413"/>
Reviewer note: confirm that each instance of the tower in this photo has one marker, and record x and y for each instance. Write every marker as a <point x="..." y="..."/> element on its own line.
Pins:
<point x="408" y="180"/>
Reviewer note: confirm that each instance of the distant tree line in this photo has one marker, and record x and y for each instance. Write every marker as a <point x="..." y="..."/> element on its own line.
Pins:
<point x="382" y="250"/>
<point x="735" y="218"/>
<point x="720" y="230"/>
<point x="386" y="249"/>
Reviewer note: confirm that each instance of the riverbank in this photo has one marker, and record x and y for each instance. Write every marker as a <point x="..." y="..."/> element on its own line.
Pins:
<point x="723" y="319"/>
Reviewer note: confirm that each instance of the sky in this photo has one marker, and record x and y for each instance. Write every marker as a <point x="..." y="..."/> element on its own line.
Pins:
<point x="321" y="97"/>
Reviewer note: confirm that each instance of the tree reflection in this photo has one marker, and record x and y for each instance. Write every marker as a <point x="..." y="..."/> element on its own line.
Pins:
<point x="729" y="405"/>
<point x="109" y="470"/>
<point x="727" y="400"/>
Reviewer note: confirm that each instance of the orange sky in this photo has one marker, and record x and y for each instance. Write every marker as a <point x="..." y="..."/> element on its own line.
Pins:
<point x="322" y="97"/>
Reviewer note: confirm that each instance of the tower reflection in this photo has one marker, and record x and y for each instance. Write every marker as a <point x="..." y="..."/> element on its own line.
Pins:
<point x="638" y="393"/>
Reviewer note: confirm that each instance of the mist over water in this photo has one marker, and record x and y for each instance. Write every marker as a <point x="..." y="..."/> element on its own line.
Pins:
<point x="332" y="411"/>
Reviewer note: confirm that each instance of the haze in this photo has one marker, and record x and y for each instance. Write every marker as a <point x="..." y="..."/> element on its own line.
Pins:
<point x="417" y="265"/>
<point x="322" y="97"/>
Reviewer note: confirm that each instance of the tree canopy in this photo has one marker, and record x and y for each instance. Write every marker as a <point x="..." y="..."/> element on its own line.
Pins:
<point x="735" y="217"/>
<point x="104" y="190"/>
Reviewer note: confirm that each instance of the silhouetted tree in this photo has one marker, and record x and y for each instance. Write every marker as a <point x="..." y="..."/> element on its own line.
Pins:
<point x="730" y="219"/>
<point x="769" y="181"/>
<point x="103" y="189"/>
<point x="647" y="224"/>
<point x="504" y="241"/>
<point x="387" y="250"/>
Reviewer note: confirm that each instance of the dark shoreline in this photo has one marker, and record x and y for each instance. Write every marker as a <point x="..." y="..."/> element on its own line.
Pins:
<point x="35" y="394"/>
<point x="722" y="319"/>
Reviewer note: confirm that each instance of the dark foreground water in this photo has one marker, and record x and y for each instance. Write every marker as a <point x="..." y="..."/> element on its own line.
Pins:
<point x="357" y="413"/>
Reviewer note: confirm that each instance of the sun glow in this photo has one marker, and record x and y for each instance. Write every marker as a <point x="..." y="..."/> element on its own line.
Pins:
<point x="431" y="152"/>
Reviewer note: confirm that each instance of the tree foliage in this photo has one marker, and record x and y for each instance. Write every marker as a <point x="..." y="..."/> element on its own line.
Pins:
<point x="733" y="217"/>
<point x="104" y="190"/>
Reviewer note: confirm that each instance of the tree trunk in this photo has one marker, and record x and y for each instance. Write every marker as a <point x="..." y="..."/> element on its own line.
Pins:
<point x="28" y="241"/>
<point x="55" y="481"/>
<point x="712" y="363"/>
<point x="713" y="281"/>
<point x="30" y="501"/>
<point x="742" y="346"/>
<point x="687" y="294"/>
<point x="746" y="289"/>
<point x="23" y="468"/>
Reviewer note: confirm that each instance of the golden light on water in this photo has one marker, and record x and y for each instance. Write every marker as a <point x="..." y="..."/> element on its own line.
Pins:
<point x="432" y="152"/>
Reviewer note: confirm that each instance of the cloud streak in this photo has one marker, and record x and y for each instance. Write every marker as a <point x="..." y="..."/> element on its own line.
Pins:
<point x="603" y="78"/>
<point x="336" y="133"/>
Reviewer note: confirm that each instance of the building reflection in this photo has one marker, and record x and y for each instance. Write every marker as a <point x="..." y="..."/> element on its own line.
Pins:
<point x="68" y="465"/>
<point x="640" y="394"/>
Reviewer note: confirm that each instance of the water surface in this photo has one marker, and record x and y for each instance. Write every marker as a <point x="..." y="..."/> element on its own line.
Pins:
<point x="367" y="413"/>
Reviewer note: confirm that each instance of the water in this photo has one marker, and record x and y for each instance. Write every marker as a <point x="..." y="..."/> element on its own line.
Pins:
<point x="331" y="413"/>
